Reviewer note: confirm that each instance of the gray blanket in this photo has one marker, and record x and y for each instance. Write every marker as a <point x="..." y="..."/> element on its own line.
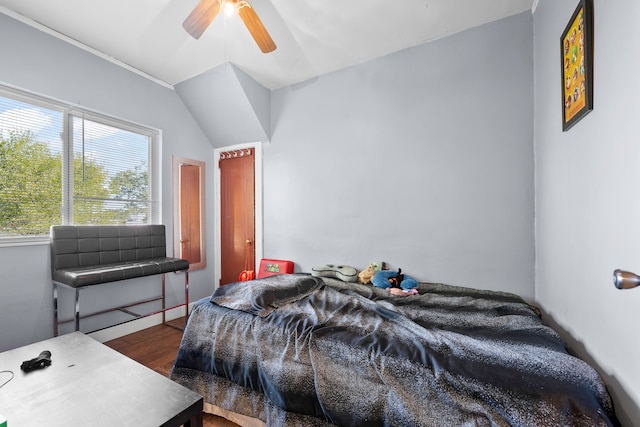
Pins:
<point x="300" y="350"/>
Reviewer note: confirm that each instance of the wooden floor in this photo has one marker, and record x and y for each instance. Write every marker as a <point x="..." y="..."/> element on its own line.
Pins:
<point x="156" y="348"/>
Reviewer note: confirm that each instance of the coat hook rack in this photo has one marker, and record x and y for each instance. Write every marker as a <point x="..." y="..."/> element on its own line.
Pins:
<point x="625" y="279"/>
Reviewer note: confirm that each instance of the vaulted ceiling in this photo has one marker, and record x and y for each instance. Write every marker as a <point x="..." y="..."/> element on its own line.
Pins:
<point x="313" y="37"/>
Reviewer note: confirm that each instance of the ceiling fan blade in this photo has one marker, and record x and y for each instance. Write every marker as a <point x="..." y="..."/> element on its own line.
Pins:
<point x="200" y="18"/>
<point x="255" y="27"/>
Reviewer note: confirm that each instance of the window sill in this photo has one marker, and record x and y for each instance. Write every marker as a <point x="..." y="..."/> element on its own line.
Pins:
<point x="6" y="242"/>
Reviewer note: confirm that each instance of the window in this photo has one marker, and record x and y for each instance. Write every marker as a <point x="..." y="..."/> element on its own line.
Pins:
<point x="62" y="165"/>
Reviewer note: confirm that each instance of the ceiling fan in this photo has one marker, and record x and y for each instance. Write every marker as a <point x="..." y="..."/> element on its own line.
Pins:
<point x="205" y="12"/>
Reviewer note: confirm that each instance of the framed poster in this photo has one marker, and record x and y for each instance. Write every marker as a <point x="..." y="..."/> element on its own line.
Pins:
<point x="576" y="52"/>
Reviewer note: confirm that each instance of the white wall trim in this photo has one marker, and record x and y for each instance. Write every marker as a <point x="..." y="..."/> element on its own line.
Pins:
<point x="82" y="46"/>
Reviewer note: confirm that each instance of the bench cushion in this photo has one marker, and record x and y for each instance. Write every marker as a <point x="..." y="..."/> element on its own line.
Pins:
<point x="93" y="275"/>
<point x="87" y="255"/>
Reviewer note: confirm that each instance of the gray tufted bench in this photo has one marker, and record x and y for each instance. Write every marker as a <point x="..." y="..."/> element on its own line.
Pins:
<point x="90" y="255"/>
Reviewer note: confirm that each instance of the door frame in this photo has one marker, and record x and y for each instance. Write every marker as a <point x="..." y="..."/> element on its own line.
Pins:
<point x="258" y="244"/>
<point x="177" y="162"/>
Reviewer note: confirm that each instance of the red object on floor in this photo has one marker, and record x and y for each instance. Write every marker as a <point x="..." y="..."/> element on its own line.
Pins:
<point x="271" y="267"/>
<point x="247" y="275"/>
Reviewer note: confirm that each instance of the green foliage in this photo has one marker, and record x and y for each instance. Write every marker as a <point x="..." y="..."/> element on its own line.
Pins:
<point x="89" y="192"/>
<point x="30" y="185"/>
<point x="31" y="189"/>
<point x="131" y="186"/>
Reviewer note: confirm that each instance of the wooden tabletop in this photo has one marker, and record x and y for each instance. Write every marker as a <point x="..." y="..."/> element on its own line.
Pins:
<point x="90" y="384"/>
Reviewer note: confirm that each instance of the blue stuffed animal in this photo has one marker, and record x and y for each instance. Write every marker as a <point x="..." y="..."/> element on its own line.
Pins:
<point x="386" y="279"/>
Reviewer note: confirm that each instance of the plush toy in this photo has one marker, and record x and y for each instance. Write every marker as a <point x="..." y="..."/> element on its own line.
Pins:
<point x="367" y="274"/>
<point x="396" y="282"/>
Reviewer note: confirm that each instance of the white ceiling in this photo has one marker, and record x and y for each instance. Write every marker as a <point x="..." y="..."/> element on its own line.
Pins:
<point x="313" y="36"/>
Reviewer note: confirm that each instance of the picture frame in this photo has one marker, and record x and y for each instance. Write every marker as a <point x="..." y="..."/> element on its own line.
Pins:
<point x="576" y="56"/>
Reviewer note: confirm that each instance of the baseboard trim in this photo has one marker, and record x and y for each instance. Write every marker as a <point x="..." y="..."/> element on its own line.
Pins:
<point x="127" y="328"/>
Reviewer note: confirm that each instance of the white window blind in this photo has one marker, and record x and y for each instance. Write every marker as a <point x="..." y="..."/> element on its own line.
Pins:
<point x="30" y="167"/>
<point x="111" y="177"/>
<point x="61" y="165"/>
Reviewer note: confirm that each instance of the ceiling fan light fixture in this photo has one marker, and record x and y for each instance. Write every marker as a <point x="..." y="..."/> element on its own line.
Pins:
<point x="230" y="8"/>
<point x="206" y="10"/>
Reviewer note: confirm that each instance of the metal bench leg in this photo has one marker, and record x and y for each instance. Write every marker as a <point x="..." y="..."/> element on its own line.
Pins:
<point x="163" y="300"/>
<point x="55" y="310"/>
<point x="77" y="314"/>
<point x="186" y="296"/>
<point x="186" y="293"/>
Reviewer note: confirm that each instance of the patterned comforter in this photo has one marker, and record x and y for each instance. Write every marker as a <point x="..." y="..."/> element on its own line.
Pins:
<point x="300" y="350"/>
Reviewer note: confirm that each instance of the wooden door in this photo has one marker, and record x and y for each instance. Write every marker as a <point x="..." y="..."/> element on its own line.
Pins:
<point x="190" y="213"/>
<point x="237" y="210"/>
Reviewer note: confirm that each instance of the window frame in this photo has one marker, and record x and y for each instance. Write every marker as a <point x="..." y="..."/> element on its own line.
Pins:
<point x="69" y="111"/>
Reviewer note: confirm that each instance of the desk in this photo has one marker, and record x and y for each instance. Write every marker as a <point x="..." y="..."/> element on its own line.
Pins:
<point x="90" y="384"/>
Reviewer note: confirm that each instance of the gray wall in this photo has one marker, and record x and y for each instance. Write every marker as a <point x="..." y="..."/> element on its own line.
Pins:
<point x="587" y="209"/>
<point x="422" y="159"/>
<point x="228" y="105"/>
<point x="40" y="63"/>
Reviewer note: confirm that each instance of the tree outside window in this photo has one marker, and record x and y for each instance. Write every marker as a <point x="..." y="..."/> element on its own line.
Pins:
<point x="110" y="170"/>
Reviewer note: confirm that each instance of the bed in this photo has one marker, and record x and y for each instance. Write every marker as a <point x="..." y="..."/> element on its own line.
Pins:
<point x="298" y="350"/>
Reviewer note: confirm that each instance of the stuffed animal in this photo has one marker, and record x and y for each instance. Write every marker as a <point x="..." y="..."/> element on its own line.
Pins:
<point x="367" y="274"/>
<point x="395" y="281"/>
